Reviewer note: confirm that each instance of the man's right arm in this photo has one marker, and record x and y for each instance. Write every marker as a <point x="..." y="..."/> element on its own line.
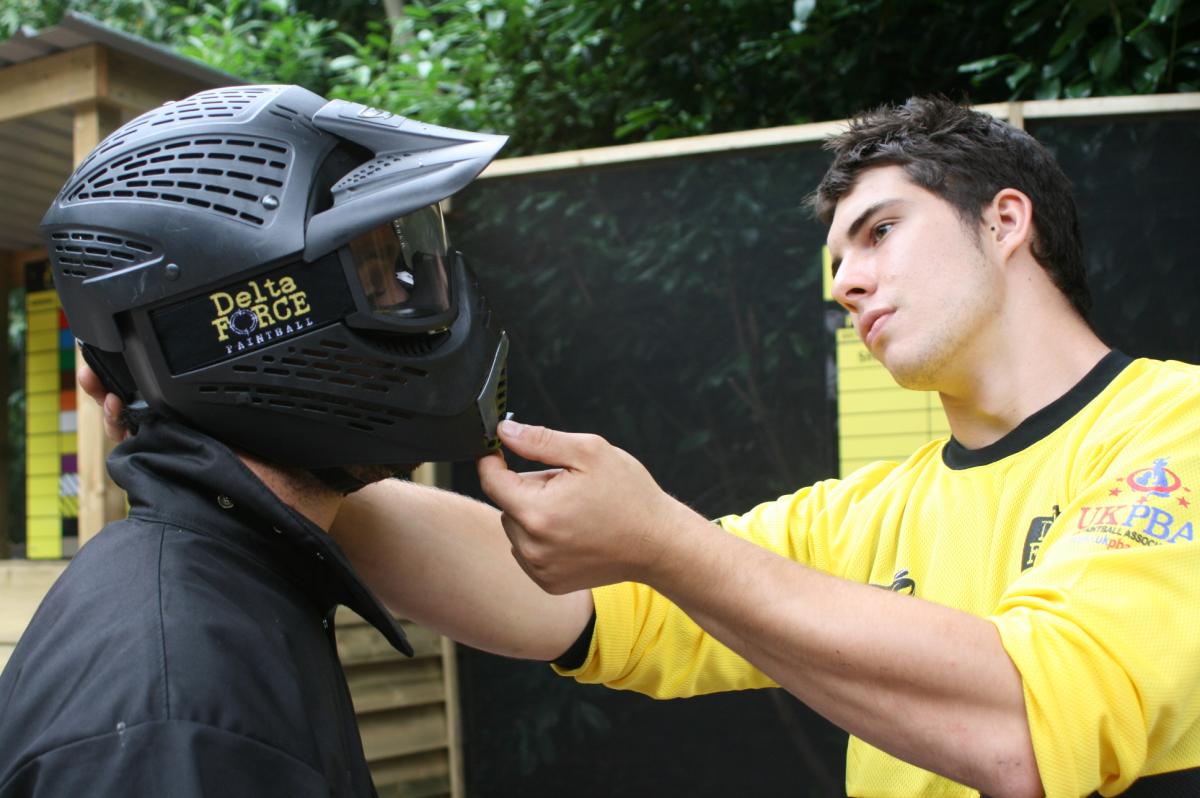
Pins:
<point x="443" y="560"/>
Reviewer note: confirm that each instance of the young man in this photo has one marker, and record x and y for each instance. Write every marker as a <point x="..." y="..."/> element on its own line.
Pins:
<point x="266" y="276"/>
<point x="1047" y="644"/>
<point x="1049" y="545"/>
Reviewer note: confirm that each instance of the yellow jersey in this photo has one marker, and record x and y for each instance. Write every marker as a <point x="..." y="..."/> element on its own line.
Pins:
<point x="1074" y="534"/>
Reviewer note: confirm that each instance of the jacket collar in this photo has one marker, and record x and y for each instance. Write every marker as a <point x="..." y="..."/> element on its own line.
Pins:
<point x="177" y="475"/>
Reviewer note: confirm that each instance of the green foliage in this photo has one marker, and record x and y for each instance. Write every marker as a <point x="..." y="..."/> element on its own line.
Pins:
<point x="557" y="74"/>
<point x="263" y="41"/>
<point x="1082" y="48"/>
<point x="272" y="41"/>
<point x="560" y="74"/>
<point x="149" y="19"/>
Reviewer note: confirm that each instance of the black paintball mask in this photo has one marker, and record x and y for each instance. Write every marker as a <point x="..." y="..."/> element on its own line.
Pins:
<point x="274" y="269"/>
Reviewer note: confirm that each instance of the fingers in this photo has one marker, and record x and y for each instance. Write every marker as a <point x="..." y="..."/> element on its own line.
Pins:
<point x="494" y="473"/>
<point x="537" y="562"/>
<point x="506" y="488"/>
<point x="90" y="383"/>
<point x="110" y="403"/>
<point x="113" y="428"/>
<point x="544" y="445"/>
<point x="540" y="477"/>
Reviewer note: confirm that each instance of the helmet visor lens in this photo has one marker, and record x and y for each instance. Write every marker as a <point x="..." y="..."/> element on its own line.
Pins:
<point x="402" y="265"/>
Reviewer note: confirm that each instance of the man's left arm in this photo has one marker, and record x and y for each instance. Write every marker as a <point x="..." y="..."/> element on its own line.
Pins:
<point x="952" y="702"/>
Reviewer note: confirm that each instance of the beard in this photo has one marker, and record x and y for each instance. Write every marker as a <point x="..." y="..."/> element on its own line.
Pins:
<point x="377" y="473"/>
<point x="942" y="341"/>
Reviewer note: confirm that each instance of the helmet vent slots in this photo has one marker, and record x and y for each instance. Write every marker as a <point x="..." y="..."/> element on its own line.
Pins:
<point x="358" y="415"/>
<point x="216" y="104"/>
<point x="381" y="164"/>
<point x="225" y="175"/>
<point x="88" y="253"/>
<point x="293" y="116"/>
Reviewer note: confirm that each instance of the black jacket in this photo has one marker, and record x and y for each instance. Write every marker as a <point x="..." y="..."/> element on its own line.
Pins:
<point x="188" y="650"/>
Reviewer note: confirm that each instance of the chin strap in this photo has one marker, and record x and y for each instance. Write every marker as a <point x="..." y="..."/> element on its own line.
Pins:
<point x="345" y="483"/>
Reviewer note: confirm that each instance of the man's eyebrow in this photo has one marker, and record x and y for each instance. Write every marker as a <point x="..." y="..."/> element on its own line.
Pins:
<point x="862" y="218"/>
<point x="857" y="224"/>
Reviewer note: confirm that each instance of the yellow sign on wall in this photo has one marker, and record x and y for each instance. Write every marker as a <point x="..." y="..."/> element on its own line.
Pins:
<point x="877" y="419"/>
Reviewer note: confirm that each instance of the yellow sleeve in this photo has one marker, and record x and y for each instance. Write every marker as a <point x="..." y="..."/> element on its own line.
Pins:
<point x="1103" y="629"/>
<point x="643" y="642"/>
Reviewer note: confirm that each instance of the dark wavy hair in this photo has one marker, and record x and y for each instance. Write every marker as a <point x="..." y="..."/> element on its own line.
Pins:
<point x="965" y="157"/>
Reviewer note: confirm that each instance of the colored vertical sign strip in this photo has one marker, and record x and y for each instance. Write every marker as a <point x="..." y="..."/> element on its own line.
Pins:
<point x="51" y="474"/>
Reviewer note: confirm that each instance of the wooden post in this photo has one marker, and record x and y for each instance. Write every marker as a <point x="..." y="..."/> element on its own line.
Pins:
<point x="453" y="717"/>
<point x="1016" y="115"/>
<point x="438" y="475"/>
<point x="100" y="501"/>
<point x="6" y="268"/>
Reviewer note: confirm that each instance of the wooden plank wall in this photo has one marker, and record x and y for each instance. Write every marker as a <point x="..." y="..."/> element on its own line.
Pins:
<point x="22" y="585"/>
<point x="405" y="707"/>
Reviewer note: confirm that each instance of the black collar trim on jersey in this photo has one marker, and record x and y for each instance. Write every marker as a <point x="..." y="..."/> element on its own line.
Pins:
<point x="1044" y="421"/>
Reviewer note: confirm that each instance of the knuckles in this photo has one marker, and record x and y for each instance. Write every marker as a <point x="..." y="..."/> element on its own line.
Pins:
<point x="591" y="446"/>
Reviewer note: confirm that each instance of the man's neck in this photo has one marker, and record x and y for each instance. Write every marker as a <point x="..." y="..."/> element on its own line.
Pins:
<point x="1037" y="363"/>
<point x="297" y="489"/>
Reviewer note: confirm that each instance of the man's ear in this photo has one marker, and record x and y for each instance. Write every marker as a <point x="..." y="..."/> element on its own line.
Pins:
<point x="1009" y="219"/>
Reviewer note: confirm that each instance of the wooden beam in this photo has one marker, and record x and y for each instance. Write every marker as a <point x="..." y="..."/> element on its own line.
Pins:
<point x="672" y="148"/>
<point x="17" y="261"/>
<point x="100" y="501"/>
<point x="138" y="85"/>
<point x="57" y="81"/>
<point x="1111" y="106"/>
<point x="1017" y="112"/>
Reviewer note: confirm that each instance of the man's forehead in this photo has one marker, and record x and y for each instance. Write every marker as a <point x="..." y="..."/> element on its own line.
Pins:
<point x="871" y="186"/>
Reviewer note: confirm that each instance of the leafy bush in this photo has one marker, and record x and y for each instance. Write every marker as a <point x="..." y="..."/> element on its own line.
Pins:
<point x="560" y="74"/>
<point x="1081" y="48"/>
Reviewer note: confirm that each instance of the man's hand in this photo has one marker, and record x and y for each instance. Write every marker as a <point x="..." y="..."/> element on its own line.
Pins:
<point x="109" y="402"/>
<point x="597" y="519"/>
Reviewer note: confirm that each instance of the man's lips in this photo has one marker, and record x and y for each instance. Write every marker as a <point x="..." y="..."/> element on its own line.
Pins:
<point x="871" y="323"/>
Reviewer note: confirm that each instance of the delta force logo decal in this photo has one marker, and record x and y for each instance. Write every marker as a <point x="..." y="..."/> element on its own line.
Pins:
<point x="224" y="323"/>
<point x="1148" y="507"/>
<point x="259" y="313"/>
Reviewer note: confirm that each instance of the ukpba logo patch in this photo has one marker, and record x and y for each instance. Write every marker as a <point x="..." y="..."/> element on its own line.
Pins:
<point x="1149" y="506"/>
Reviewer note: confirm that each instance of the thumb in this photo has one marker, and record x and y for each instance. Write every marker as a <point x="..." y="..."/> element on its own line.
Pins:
<point x="501" y="485"/>
<point x="542" y="444"/>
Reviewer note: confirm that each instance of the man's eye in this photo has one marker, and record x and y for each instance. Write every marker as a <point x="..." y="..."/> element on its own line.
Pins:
<point x="879" y="231"/>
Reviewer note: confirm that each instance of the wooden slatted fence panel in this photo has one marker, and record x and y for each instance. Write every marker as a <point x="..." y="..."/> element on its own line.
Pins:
<point x="404" y="716"/>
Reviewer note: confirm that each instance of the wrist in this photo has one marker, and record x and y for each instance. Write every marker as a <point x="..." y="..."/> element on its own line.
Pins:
<point x="669" y="541"/>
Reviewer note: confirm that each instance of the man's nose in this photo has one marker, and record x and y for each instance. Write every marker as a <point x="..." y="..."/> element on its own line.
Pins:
<point x="853" y="282"/>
